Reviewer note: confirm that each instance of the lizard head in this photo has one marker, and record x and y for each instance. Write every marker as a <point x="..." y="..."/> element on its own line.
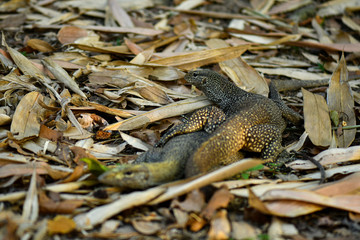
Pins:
<point x="198" y="78"/>
<point x="134" y="176"/>
<point x="214" y="85"/>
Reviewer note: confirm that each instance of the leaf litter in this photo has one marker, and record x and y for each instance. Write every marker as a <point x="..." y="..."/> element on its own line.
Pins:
<point x="76" y="73"/>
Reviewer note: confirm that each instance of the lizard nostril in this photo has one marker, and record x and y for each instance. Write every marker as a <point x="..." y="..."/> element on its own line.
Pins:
<point x="203" y="80"/>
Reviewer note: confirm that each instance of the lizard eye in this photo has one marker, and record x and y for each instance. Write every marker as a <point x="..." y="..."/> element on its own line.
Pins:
<point x="128" y="173"/>
<point x="195" y="74"/>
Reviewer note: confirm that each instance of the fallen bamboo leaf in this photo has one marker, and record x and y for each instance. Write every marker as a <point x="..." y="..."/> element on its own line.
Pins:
<point x="329" y="156"/>
<point x="288" y="6"/>
<point x="334" y="171"/>
<point x="260" y="189"/>
<point x="135" y="142"/>
<point x="317" y="119"/>
<point x="31" y="205"/>
<point x="62" y="76"/>
<point x="200" y="58"/>
<point x="170" y="110"/>
<point x="175" y="190"/>
<point x="294" y="73"/>
<point x="86" y="221"/>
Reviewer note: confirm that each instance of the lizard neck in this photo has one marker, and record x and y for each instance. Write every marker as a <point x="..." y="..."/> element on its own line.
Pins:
<point x="226" y="95"/>
<point x="162" y="172"/>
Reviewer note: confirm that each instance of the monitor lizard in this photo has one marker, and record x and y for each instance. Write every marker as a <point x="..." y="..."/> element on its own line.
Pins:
<point x="242" y="120"/>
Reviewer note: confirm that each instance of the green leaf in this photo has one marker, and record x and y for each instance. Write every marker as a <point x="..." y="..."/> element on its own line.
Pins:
<point x="95" y="166"/>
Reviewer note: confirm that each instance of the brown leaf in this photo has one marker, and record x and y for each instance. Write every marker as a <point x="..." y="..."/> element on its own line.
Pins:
<point x="194" y="202"/>
<point x="21" y="169"/>
<point x="49" y="133"/>
<point x="317" y="119"/>
<point x="69" y="34"/>
<point x="242" y="74"/>
<point x="170" y="110"/>
<point x="47" y="205"/>
<point x="154" y="94"/>
<point x="145" y="227"/>
<point x="220" y="226"/>
<point x="75" y="175"/>
<point x="25" y="121"/>
<point x="220" y="199"/>
<point x="61" y="225"/>
<point x="200" y="58"/>
<point x="340" y="99"/>
<point x="40" y="45"/>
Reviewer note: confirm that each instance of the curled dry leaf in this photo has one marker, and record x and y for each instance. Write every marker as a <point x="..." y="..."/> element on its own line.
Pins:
<point x="26" y="117"/>
<point x="317" y="119"/>
<point x="220" y="226"/>
<point x="220" y="199"/>
<point x="340" y="100"/>
<point x="242" y="74"/>
<point x="145" y="227"/>
<point x="194" y="202"/>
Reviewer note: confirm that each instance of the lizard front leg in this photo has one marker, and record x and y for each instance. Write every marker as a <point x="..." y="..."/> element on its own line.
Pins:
<point x="207" y="118"/>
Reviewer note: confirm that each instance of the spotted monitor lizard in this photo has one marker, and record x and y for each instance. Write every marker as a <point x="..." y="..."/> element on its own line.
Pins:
<point x="241" y="121"/>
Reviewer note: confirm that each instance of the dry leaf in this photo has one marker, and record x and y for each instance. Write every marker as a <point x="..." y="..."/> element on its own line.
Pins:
<point x="288" y="6"/>
<point x="220" y="226"/>
<point x="47" y="205"/>
<point x="27" y="116"/>
<point x="62" y="76"/>
<point x="145" y="227"/>
<point x="154" y="94"/>
<point x="194" y="202"/>
<point x="40" y="45"/>
<point x="197" y="59"/>
<point x="185" y="186"/>
<point x="242" y="74"/>
<point x="220" y="199"/>
<point x="97" y="215"/>
<point x="317" y="119"/>
<point x="170" y="110"/>
<point x="61" y="225"/>
<point x="69" y="34"/>
<point x="340" y="100"/>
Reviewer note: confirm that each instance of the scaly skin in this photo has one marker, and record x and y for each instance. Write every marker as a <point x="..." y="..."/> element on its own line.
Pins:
<point x="253" y="122"/>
